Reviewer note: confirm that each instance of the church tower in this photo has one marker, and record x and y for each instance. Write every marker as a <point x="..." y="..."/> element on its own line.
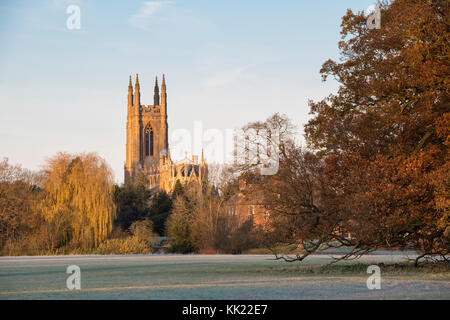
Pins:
<point x="147" y="133"/>
<point x="147" y="147"/>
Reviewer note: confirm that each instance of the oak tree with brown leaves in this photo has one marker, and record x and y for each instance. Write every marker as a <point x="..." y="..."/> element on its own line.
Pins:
<point x="384" y="136"/>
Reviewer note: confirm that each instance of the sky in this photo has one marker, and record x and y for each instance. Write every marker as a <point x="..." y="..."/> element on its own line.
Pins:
<point x="226" y="63"/>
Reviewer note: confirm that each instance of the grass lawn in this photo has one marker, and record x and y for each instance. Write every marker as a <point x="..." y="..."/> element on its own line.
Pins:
<point x="218" y="277"/>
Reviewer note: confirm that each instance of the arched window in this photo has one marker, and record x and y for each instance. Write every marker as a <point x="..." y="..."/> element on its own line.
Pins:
<point x="149" y="141"/>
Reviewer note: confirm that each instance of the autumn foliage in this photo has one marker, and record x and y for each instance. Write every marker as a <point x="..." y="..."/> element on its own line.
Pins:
<point x="376" y="171"/>
<point x="78" y="200"/>
<point x="384" y="136"/>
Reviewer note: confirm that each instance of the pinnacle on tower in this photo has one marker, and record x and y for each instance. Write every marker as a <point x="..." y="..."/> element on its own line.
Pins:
<point x="137" y="93"/>
<point x="156" y="95"/>
<point x="163" y="95"/>
<point x="130" y="93"/>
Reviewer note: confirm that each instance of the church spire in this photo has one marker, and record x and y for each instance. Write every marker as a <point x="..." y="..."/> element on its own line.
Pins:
<point x="156" y="95"/>
<point x="130" y="93"/>
<point x="163" y="96"/>
<point x="137" y="93"/>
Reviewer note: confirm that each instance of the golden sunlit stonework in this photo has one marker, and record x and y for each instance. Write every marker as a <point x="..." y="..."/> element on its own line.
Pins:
<point x="147" y="146"/>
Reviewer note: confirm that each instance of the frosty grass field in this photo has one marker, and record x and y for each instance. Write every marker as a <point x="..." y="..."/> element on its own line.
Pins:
<point x="211" y="277"/>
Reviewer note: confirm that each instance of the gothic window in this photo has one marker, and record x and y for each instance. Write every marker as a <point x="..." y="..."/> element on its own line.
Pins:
<point x="149" y="141"/>
<point x="146" y="143"/>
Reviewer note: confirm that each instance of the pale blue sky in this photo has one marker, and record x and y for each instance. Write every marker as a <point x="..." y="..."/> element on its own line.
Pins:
<point x="226" y="63"/>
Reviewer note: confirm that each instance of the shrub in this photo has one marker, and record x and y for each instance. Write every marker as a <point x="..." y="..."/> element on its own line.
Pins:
<point x="130" y="245"/>
<point x="143" y="230"/>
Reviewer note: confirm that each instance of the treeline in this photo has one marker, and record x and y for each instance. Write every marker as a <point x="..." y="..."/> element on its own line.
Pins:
<point x="73" y="206"/>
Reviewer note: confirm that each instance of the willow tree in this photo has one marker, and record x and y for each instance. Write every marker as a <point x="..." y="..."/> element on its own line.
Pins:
<point x="78" y="198"/>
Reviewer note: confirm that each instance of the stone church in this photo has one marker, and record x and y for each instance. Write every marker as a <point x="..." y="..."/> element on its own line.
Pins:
<point x="147" y="146"/>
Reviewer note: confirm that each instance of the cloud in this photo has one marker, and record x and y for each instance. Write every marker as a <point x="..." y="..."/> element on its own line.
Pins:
<point x="152" y="14"/>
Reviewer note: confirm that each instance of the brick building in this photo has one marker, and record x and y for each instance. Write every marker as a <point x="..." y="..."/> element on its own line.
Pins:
<point x="247" y="203"/>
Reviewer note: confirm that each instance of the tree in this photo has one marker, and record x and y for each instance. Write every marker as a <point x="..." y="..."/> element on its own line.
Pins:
<point x="179" y="225"/>
<point x="161" y="205"/>
<point x="384" y="136"/>
<point x="177" y="190"/>
<point x="19" y="194"/>
<point x="133" y="203"/>
<point x="207" y="215"/>
<point x="78" y="198"/>
<point x="304" y="209"/>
